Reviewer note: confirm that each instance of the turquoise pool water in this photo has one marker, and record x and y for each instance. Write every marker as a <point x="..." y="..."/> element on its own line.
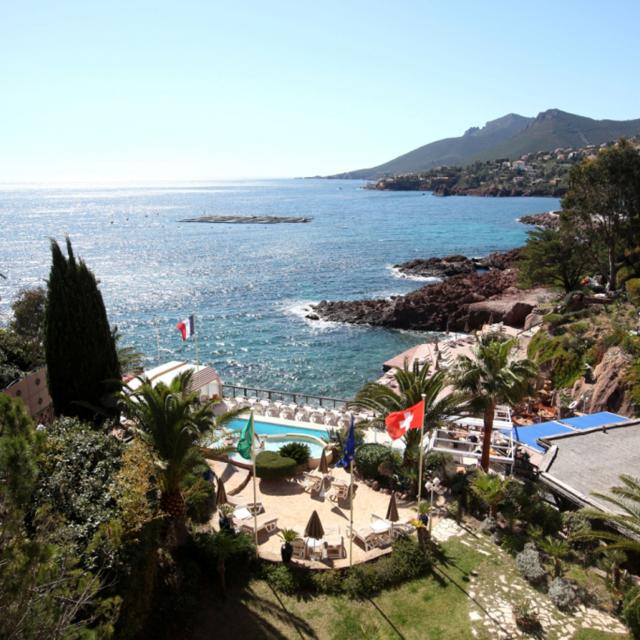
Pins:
<point x="272" y="429"/>
<point x="284" y="432"/>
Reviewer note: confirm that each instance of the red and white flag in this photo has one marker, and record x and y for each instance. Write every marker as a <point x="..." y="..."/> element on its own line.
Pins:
<point x="399" y="422"/>
<point x="187" y="327"/>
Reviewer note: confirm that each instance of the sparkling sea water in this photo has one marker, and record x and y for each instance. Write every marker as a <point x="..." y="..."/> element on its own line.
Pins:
<point x="248" y="284"/>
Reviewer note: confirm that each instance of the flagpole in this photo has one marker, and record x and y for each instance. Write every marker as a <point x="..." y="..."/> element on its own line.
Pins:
<point x="255" y="498"/>
<point x="157" y="338"/>
<point x="351" y="513"/>
<point x="196" y="337"/>
<point x="421" y="454"/>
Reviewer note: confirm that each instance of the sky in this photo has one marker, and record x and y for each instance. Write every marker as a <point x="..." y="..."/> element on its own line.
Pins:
<point x="104" y="91"/>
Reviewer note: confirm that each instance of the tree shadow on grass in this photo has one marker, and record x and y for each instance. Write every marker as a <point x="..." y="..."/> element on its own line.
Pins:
<point x="375" y="605"/>
<point x="233" y="618"/>
<point x="442" y="577"/>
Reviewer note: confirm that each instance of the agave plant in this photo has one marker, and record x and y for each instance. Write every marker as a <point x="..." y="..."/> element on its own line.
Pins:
<point x="413" y="383"/>
<point x="490" y="378"/>
<point x="171" y="420"/>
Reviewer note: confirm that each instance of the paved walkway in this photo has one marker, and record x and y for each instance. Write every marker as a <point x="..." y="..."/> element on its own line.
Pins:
<point x="493" y="595"/>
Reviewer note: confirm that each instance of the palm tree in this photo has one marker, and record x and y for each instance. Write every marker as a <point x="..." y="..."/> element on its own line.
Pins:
<point x="412" y="383"/>
<point x="172" y="421"/>
<point x="625" y="523"/>
<point x="491" y="378"/>
<point x="491" y="489"/>
<point x="225" y="544"/>
<point x="555" y="549"/>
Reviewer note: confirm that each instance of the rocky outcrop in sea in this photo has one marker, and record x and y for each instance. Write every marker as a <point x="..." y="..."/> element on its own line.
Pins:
<point x="463" y="302"/>
<point x="456" y="264"/>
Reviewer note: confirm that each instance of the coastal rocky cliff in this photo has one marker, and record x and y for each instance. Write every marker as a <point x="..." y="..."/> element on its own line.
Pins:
<point x="463" y="302"/>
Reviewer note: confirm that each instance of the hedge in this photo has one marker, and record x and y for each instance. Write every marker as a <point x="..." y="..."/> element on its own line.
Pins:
<point x="271" y="465"/>
<point x="407" y="561"/>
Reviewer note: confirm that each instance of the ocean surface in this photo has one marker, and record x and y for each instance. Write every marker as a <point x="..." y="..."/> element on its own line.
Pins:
<point x="248" y="284"/>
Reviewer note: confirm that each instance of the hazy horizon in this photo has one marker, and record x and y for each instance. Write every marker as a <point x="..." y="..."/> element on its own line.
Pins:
<point x="207" y="92"/>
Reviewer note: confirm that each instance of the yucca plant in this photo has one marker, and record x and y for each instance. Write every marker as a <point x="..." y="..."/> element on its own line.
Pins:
<point x="491" y="489"/>
<point x="556" y="550"/>
<point x="412" y="384"/>
<point x="490" y="378"/>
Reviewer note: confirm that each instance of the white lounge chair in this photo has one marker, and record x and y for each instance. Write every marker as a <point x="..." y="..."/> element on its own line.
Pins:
<point x="265" y="523"/>
<point x="312" y="483"/>
<point x="365" y="535"/>
<point x="339" y="491"/>
<point x="335" y="546"/>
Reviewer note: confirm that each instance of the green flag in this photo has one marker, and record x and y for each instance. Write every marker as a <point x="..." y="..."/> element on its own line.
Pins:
<point x="245" y="444"/>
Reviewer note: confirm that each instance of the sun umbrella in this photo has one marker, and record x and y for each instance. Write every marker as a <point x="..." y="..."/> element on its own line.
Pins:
<point x="314" y="527"/>
<point x="323" y="467"/>
<point x="392" y="509"/>
<point x="221" y="494"/>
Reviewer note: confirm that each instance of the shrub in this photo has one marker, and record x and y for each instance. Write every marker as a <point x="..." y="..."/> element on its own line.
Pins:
<point x="329" y="582"/>
<point x="299" y="451"/>
<point x="631" y="611"/>
<point x="527" y="618"/>
<point x="281" y="577"/>
<point x="544" y="516"/>
<point x="530" y="565"/>
<point x="271" y="465"/>
<point x="632" y="287"/>
<point x="78" y="467"/>
<point x="563" y="594"/>
<point x="369" y="457"/>
<point x="436" y="463"/>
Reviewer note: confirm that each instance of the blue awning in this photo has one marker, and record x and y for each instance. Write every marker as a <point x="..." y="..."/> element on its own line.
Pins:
<point x="594" y="420"/>
<point x="530" y="434"/>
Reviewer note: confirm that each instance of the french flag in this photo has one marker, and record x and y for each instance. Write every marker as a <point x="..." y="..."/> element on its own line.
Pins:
<point x="187" y="327"/>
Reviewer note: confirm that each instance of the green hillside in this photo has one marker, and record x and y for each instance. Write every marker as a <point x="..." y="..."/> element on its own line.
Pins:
<point x="508" y="137"/>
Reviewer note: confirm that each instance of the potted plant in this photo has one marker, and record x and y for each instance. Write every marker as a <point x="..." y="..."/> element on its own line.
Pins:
<point x="225" y="520"/>
<point x="423" y="513"/>
<point x="286" y="550"/>
<point x="526" y="618"/>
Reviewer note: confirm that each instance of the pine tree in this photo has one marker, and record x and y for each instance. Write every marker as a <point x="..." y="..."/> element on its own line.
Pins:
<point x="82" y="363"/>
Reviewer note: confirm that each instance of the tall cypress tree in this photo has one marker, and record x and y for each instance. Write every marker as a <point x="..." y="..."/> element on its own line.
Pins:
<point x="82" y="363"/>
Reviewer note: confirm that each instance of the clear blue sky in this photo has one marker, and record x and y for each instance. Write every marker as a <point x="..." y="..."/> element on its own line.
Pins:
<point x="159" y="90"/>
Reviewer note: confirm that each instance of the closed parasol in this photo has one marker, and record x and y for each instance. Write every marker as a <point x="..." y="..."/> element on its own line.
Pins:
<point x="314" y="527"/>
<point x="392" y="509"/>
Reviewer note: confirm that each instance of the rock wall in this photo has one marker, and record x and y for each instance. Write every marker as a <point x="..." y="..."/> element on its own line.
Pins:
<point x="608" y="392"/>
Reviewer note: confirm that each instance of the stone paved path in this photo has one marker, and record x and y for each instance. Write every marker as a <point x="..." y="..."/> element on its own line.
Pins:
<point x="493" y="595"/>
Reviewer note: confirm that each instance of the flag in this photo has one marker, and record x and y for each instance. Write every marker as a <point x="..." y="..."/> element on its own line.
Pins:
<point x="399" y="422"/>
<point x="187" y="327"/>
<point x="245" y="444"/>
<point x="349" y="447"/>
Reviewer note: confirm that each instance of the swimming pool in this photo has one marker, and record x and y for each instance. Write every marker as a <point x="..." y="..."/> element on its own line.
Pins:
<point x="274" y="435"/>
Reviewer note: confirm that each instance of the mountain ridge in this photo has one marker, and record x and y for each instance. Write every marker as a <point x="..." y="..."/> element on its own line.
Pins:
<point x="509" y="136"/>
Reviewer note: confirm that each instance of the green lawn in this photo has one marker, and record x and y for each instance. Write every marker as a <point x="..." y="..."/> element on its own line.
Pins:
<point x="432" y="608"/>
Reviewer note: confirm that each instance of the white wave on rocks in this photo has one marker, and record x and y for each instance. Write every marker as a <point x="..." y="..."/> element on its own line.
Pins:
<point x="397" y="273"/>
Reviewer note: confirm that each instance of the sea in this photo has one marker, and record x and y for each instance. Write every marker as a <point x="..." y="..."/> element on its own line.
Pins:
<point x="249" y="286"/>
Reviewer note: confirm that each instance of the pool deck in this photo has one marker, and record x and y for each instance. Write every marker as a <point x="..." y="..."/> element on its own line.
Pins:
<point x="286" y="500"/>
